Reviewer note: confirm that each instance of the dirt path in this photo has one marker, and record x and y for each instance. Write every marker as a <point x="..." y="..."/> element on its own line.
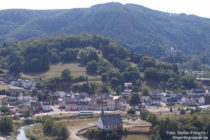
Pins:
<point x="74" y="132"/>
<point x="76" y="125"/>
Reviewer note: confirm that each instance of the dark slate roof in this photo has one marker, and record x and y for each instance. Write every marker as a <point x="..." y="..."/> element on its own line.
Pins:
<point x="46" y="103"/>
<point x="14" y="94"/>
<point x="111" y="119"/>
<point x="77" y="102"/>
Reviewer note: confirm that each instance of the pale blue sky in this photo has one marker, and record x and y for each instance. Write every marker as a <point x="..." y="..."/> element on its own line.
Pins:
<point x="197" y="7"/>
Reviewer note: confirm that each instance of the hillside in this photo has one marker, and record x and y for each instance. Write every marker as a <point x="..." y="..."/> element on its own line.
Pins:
<point x="103" y="64"/>
<point x="138" y="28"/>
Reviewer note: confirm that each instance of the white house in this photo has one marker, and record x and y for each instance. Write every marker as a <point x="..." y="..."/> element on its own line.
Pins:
<point x="20" y="97"/>
<point x="28" y="84"/>
<point x="13" y="96"/>
<point x="60" y="94"/>
<point x="201" y="100"/>
<point x="46" y="106"/>
<point x="108" y="122"/>
<point x="111" y="105"/>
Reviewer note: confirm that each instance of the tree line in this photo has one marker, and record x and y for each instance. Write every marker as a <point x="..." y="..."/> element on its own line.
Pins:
<point x="101" y="56"/>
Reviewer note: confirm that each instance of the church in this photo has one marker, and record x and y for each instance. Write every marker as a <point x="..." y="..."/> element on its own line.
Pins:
<point x="109" y="121"/>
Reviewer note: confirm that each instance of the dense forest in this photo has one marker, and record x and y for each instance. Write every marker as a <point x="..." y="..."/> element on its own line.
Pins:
<point x="101" y="56"/>
<point x="175" y="38"/>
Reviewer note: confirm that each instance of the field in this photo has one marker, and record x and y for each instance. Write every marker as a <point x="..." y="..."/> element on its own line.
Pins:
<point x="73" y="126"/>
<point x="75" y="68"/>
<point x="36" y="131"/>
<point x="56" y="70"/>
<point x="137" y="127"/>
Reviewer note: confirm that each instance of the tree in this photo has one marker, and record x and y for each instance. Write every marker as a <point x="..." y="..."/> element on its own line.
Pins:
<point x="66" y="75"/>
<point x="48" y="125"/>
<point x="104" y="77"/>
<point x="63" y="134"/>
<point x="152" y="73"/>
<point x="134" y="100"/>
<point x="152" y="118"/>
<point x="87" y="55"/>
<point x="5" y="109"/>
<point x="115" y="82"/>
<point x="195" y="64"/>
<point x="147" y="62"/>
<point x="92" y="66"/>
<point x="131" y="111"/>
<point x="69" y="55"/>
<point x="16" y="63"/>
<point x="27" y="113"/>
<point x="188" y="81"/>
<point x="182" y="112"/>
<point x="144" y="113"/>
<point x="6" y="125"/>
<point x="145" y="91"/>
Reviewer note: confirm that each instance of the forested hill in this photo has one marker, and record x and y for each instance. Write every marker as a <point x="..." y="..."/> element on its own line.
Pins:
<point x="141" y="29"/>
<point x="101" y="56"/>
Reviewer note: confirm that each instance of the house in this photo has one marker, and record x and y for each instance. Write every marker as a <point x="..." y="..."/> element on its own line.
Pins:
<point x="126" y="93"/>
<point x="23" y="108"/>
<point x="27" y="84"/>
<point x="201" y="100"/>
<point x="3" y="100"/>
<point x="71" y="105"/>
<point x="164" y="97"/>
<point x="60" y="94"/>
<point x="111" y="105"/>
<point x="156" y="92"/>
<point x="20" y="97"/>
<point x="83" y="105"/>
<point x="207" y="100"/>
<point x="108" y="122"/>
<point x="101" y="104"/>
<point x="191" y="101"/>
<point x="13" y="96"/>
<point x="36" y="107"/>
<point x="197" y="92"/>
<point x="46" y="106"/>
<point x="155" y="101"/>
<point x="61" y="103"/>
<point x="15" y="83"/>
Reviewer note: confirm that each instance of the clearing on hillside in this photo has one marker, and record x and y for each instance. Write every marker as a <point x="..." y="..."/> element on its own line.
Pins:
<point x="56" y="70"/>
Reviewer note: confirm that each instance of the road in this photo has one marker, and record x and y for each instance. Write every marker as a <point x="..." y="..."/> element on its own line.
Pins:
<point x="57" y="111"/>
<point x="21" y="135"/>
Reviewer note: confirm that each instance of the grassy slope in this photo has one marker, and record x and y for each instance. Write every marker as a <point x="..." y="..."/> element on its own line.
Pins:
<point x="36" y="132"/>
<point x="56" y="70"/>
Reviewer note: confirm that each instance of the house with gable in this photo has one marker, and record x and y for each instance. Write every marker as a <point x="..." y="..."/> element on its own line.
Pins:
<point x="109" y="121"/>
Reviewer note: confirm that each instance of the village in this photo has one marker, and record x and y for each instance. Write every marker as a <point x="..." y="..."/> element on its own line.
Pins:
<point x="19" y="102"/>
<point x="103" y="111"/>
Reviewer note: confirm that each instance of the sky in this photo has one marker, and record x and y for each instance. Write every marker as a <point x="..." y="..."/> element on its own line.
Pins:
<point x="196" y="7"/>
